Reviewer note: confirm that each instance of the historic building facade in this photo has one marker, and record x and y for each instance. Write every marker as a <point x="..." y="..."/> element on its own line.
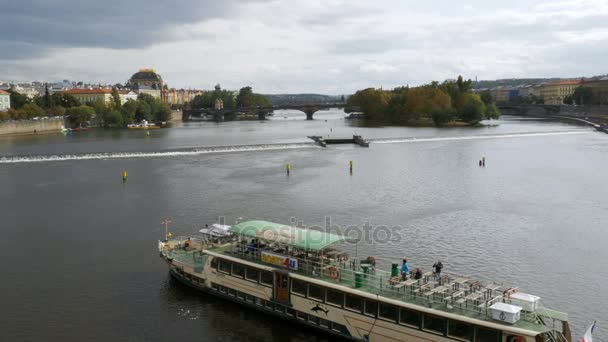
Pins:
<point x="147" y="81"/>
<point x="554" y="93"/>
<point x="5" y="100"/>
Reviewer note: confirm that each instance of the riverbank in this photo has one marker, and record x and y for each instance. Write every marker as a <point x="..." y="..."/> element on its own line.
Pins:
<point x="31" y="126"/>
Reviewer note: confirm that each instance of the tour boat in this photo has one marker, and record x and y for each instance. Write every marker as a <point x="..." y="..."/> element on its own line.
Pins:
<point x="301" y="275"/>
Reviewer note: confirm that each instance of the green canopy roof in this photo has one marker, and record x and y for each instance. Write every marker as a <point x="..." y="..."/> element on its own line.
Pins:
<point x="292" y="236"/>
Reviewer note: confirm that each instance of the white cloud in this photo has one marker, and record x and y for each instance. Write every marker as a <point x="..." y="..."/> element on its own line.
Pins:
<point x="337" y="46"/>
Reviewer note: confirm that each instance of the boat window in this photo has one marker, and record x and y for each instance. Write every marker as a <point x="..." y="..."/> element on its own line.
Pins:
<point x="486" y="335"/>
<point x="266" y="278"/>
<point x="313" y="319"/>
<point x="388" y="312"/>
<point x="238" y="270"/>
<point x="371" y="307"/>
<point x="324" y="323"/>
<point x="214" y="263"/>
<point x="225" y="266"/>
<point x="290" y="312"/>
<point x="215" y="286"/>
<point x="269" y="304"/>
<point x="249" y="298"/>
<point x="301" y="315"/>
<point x="335" y="297"/>
<point x="315" y="291"/>
<point x="232" y="292"/>
<point x="460" y="330"/>
<point x="298" y="287"/>
<point x="434" y="324"/>
<point x="253" y="274"/>
<point x="410" y="317"/>
<point x="354" y="303"/>
<point x="240" y="295"/>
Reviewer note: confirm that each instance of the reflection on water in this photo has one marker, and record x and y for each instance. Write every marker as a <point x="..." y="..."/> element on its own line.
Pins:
<point x="79" y="247"/>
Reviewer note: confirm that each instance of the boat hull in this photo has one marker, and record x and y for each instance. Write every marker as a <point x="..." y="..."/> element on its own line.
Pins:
<point x="181" y="279"/>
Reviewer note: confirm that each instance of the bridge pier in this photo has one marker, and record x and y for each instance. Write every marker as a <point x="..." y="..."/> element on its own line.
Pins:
<point x="309" y="113"/>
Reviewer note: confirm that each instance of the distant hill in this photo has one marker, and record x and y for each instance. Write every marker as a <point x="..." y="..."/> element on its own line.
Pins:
<point x="510" y="82"/>
<point x="284" y="99"/>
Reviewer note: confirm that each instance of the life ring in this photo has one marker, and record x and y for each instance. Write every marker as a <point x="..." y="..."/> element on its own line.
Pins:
<point x="514" y="338"/>
<point x="334" y="272"/>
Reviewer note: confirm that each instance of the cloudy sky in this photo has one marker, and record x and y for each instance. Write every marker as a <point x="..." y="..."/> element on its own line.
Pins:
<point x="323" y="46"/>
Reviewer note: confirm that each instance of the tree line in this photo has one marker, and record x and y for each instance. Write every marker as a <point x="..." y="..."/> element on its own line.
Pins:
<point x="246" y="98"/>
<point x="435" y="103"/>
<point x="110" y="115"/>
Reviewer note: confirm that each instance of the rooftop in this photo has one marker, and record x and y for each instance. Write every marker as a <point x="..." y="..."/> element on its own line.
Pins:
<point x="291" y="236"/>
<point x="564" y="82"/>
<point x="93" y="91"/>
<point x="2" y="92"/>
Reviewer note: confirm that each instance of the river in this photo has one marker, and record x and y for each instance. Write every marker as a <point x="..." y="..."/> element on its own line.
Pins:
<point x="79" y="247"/>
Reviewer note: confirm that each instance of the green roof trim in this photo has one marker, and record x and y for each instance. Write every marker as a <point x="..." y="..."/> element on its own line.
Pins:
<point x="292" y="236"/>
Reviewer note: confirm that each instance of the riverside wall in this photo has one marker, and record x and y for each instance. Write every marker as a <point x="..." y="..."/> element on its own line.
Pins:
<point x="31" y="126"/>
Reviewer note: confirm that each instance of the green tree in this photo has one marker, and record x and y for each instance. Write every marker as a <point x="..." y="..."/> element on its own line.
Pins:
<point x="492" y="112"/>
<point x="80" y="115"/>
<point x="116" y="99"/>
<point x="569" y="100"/>
<point x="443" y="116"/>
<point x="112" y="119"/>
<point x="56" y="111"/>
<point x="373" y="102"/>
<point x="47" y="100"/>
<point x="128" y="111"/>
<point x="464" y="86"/>
<point x="64" y="100"/>
<point x="18" y="100"/>
<point x="247" y="99"/>
<point x="583" y="95"/>
<point x="143" y="111"/>
<point x="486" y="97"/>
<point x="473" y="110"/>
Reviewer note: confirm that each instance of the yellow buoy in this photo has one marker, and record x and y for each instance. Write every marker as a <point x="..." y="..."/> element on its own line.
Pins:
<point x="124" y="176"/>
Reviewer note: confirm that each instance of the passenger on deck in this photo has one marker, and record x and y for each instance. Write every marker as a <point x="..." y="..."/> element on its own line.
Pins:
<point x="437" y="267"/>
<point x="187" y="243"/>
<point x="418" y="274"/>
<point x="251" y="246"/>
<point x="405" y="269"/>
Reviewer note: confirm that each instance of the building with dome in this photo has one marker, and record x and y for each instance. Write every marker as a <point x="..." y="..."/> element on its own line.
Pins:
<point x="147" y="81"/>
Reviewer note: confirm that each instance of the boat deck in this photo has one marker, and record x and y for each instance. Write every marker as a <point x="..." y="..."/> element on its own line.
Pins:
<point x="459" y="296"/>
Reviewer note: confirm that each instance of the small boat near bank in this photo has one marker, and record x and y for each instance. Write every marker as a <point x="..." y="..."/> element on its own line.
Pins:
<point x="144" y="125"/>
<point x="300" y="275"/>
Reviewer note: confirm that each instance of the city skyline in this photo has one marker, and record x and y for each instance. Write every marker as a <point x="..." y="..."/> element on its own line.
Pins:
<point x="332" y="47"/>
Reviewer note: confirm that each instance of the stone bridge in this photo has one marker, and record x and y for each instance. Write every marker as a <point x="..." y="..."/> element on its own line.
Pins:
<point x="219" y="114"/>
<point x="531" y="110"/>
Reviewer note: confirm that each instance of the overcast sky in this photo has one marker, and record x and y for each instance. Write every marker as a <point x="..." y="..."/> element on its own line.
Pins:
<point x="321" y="46"/>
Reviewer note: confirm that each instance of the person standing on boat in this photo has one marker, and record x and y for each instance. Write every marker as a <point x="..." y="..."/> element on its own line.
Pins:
<point x="405" y="269"/>
<point x="438" y="266"/>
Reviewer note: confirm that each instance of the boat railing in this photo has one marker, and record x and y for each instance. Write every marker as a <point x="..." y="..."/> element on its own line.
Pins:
<point x="449" y="293"/>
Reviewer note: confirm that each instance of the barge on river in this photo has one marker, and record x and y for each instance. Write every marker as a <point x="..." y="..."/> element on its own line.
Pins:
<point x="299" y="275"/>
